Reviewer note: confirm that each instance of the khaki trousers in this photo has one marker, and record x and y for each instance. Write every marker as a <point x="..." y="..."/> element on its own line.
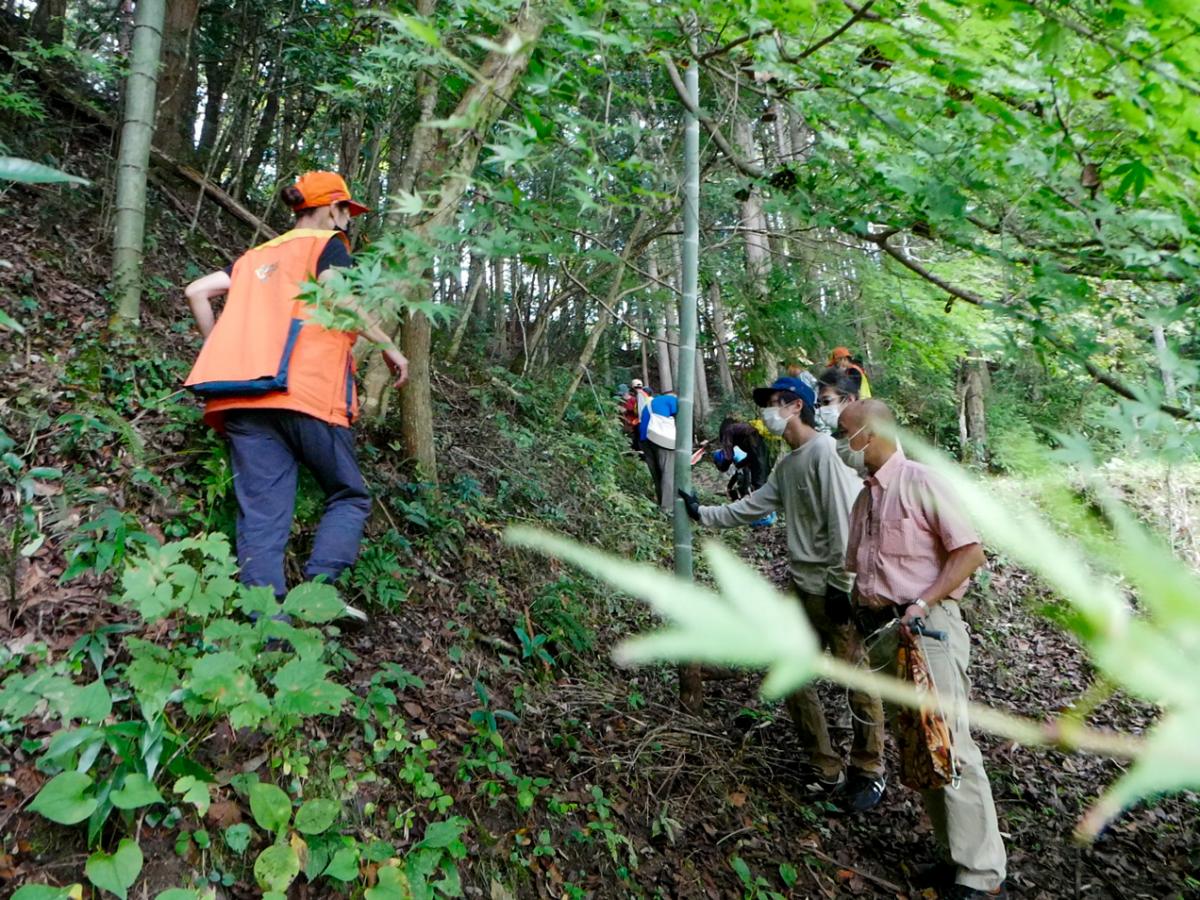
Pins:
<point x="808" y="713"/>
<point x="964" y="818"/>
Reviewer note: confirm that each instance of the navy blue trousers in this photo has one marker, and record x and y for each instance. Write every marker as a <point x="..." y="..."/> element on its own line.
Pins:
<point x="266" y="447"/>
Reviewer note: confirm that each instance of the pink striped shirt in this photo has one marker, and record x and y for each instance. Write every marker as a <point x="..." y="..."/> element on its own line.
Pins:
<point x="904" y="525"/>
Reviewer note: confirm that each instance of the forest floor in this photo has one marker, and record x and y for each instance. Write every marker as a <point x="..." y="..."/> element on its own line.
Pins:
<point x="588" y="781"/>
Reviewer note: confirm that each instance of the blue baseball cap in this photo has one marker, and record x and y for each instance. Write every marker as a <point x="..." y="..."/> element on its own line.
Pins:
<point x="762" y="395"/>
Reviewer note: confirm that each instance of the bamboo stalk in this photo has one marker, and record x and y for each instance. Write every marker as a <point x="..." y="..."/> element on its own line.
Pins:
<point x="133" y="159"/>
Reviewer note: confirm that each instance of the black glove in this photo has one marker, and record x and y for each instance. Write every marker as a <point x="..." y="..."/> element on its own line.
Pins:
<point x="692" y="503"/>
<point x="837" y="605"/>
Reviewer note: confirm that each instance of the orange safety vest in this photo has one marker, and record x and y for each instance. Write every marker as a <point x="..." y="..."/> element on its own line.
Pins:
<point x="261" y="354"/>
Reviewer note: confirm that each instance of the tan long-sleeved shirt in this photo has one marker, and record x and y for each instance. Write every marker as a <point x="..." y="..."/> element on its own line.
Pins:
<point x="815" y="491"/>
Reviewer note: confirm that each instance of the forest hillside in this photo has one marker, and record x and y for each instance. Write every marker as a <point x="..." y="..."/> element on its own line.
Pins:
<point x="988" y="204"/>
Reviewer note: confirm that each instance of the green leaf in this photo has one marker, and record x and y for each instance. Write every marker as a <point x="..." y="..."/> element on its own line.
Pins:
<point x="117" y="872"/>
<point x="270" y="806"/>
<point x="315" y="816"/>
<point x="391" y="885"/>
<point x="46" y="892"/>
<point x="303" y="690"/>
<point x="237" y="837"/>
<point x="92" y="703"/>
<point x="62" y="799"/>
<point x="276" y="867"/>
<point x="344" y="866"/>
<point x="26" y="171"/>
<point x="152" y="682"/>
<point x="439" y="835"/>
<point x="314" y="602"/>
<point x="195" y="792"/>
<point x="137" y="791"/>
<point x="7" y="321"/>
<point x="186" y="894"/>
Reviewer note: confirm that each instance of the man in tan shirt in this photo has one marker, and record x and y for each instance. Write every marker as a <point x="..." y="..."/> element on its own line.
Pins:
<point x="814" y="490"/>
<point x="913" y="552"/>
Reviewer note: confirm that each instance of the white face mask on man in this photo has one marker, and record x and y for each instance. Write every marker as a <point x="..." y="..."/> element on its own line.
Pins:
<point x="775" y="421"/>
<point x="827" y="417"/>
<point x="853" y="458"/>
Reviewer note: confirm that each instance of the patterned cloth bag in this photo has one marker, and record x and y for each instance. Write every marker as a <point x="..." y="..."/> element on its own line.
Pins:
<point x="926" y="745"/>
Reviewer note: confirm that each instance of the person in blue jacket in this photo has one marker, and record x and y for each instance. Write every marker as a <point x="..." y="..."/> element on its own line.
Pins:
<point x="658" y="445"/>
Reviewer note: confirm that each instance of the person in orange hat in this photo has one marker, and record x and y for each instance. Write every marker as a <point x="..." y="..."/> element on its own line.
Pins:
<point x="842" y="359"/>
<point x="281" y="387"/>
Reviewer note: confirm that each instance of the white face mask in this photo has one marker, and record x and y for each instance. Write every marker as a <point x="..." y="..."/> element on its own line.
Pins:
<point x="775" y="420"/>
<point x="852" y="458"/>
<point x="827" y="416"/>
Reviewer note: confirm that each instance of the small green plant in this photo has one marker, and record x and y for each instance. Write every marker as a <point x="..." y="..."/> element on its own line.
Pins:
<point x="753" y="887"/>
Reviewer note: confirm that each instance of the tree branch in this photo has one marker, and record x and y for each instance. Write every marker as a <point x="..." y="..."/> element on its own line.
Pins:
<point x="859" y="14"/>
<point x="1109" y="381"/>
<point x="746" y="167"/>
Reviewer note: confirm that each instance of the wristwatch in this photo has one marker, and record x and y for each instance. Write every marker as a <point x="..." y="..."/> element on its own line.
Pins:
<point x="921" y="603"/>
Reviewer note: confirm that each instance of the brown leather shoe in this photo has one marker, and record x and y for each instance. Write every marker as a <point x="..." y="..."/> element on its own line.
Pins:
<point x="962" y="892"/>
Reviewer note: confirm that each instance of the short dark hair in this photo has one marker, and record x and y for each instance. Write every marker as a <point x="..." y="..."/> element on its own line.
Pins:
<point x="845" y="385"/>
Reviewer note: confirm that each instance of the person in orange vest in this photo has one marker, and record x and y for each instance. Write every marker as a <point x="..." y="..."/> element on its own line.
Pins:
<point x="281" y="388"/>
<point x="841" y="358"/>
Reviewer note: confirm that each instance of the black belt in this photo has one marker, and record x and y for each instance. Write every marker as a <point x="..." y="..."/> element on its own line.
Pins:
<point x="871" y="619"/>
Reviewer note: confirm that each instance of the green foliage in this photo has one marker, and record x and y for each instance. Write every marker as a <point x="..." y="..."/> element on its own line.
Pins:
<point x="115" y="872"/>
<point x="29" y="172"/>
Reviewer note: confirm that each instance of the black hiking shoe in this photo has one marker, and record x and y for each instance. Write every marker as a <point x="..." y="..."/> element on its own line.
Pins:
<point x="962" y="892"/>
<point x="938" y="875"/>
<point x="817" y="784"/>
<point x="863" y="792"/>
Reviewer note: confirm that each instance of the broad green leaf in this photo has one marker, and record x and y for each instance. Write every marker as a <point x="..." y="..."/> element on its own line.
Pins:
<point x="303" y="690"/>
<point x="27" y="171"/>
<point x="344" y="866"/>
<point x="270" y="806"/>
<point x="46" y="892"/>
<point x="315" y="816"/>
<point x="755" y="626"/>
<point x="314" y="602"/>
<point x="439" y="835"/>
<point x="137" y="791"/>
<point x="62" y="799"/>
<point x="115" y="872"/>
<point x="91" y="703"/>
<point x="391" y="885"/>
<point x="1170" y="763"/>
<point x="194" y="791"/>
<point x="237" y="837"/>
<point x="152" y="682"/>
<point x="187" y="894"/>
<point x="276" y="868"/>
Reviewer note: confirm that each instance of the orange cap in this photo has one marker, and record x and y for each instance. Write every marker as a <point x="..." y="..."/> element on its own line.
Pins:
<point x="838" y="353"/>
<point x="325" y="189"/>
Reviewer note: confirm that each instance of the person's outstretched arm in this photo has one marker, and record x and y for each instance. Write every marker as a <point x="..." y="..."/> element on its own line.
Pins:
<point x="395" y="360"/>
<point x="751" y="508"/>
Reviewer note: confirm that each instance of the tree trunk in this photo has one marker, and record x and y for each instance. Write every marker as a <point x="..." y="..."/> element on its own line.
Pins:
<point x="177" y="81"/>
<point x="215" y="80"/>
<point x="720" y="337"/>
<point x="447" y="170"/>
<point x="972" y="415"/>
<point x="262" y="135"/>
<point x="703" y="401"/>
<point x="133" y="160"/>
<point x="1168" y="376"/>
<point x="499" y="312"/>
<point x="49" y="21"/>
<point x="757" y="249"/>
<point x="691" y="682"/>
<point x="475" y="283"/>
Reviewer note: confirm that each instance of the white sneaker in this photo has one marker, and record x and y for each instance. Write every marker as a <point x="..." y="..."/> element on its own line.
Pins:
<point x="351" y="612"/>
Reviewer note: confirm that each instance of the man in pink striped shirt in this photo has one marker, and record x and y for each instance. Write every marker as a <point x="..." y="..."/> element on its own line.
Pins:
<point x="913" y="552"/>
